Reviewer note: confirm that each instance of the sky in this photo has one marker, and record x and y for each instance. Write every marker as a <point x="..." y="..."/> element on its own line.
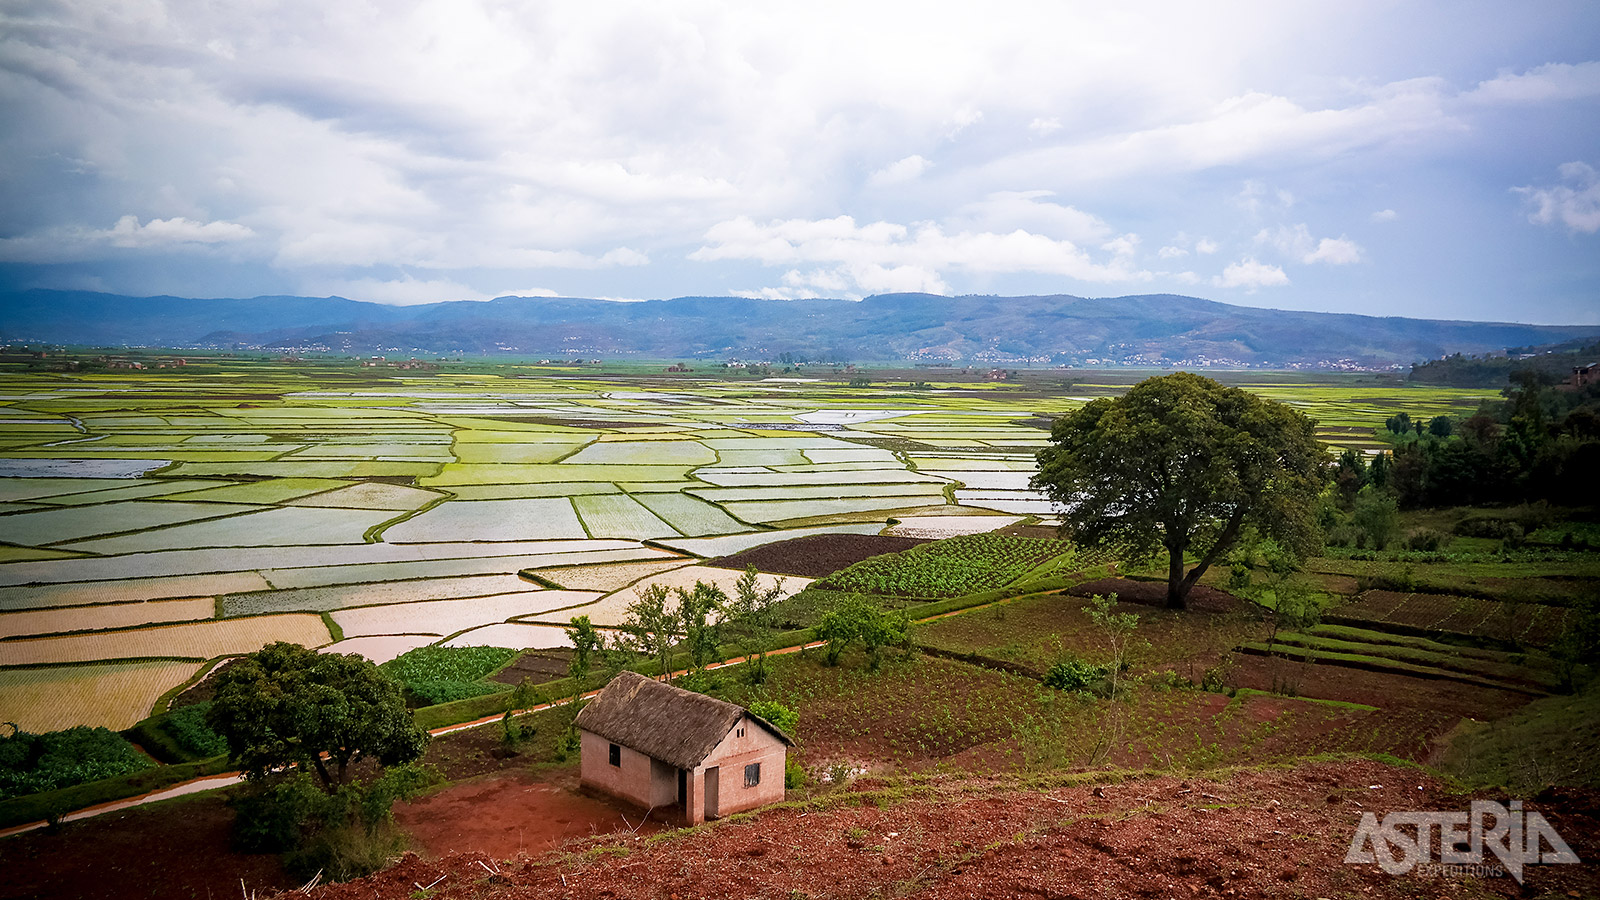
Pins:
<point x="1437" y="160"/>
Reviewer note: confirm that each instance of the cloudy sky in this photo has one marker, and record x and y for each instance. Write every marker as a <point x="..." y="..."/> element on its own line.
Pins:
<point x="1425" y="159"/>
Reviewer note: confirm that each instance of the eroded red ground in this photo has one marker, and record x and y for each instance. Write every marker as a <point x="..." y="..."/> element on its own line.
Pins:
<point x="1273" y="833"/>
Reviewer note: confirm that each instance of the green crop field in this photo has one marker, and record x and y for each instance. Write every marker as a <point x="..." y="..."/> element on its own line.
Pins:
<point x="388" y="498"/>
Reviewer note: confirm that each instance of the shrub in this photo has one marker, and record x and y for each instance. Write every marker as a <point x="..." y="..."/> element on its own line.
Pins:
<point x="343" y="834"/>
<point x="1426" y="539"/>
<point x="794" y="776"/>
<point x="31" y="763"/>
<point x="1069" y="673"/>
<point x="782" y="716"/>
<point x="187" y="727"/>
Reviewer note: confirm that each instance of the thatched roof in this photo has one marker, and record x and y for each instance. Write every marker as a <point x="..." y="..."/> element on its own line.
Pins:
<point x="664" y="722"/>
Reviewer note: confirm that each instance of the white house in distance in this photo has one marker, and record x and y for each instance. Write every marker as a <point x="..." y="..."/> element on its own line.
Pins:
<point x="664" y="748"/>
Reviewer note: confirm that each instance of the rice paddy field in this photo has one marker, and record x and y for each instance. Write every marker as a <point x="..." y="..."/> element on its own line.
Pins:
<point x="153" y="522"/>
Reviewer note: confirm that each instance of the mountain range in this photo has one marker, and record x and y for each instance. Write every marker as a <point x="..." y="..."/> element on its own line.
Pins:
<point x="1058" y="329"/>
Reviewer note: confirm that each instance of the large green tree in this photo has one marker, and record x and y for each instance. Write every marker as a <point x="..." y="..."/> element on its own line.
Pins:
<point x="285" y="705"/>
<point x="1182" y="464"/>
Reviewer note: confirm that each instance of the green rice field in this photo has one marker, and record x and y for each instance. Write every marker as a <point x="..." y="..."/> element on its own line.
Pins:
<point x="153" y="521"/>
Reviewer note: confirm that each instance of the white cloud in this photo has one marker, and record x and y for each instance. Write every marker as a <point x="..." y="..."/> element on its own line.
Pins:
<point x="900" y="172"/>
<point x="1555" y="81"/>
<point x="1296" y="242"/>
<point x="1170" y="252"/>
<point x="1250" y="274"/>
<point x="1045" y="126"/>
<point x="69" y="244"/>
<point x="1384" y="215"/>
<point x="885" y="256"/>
<point x="1206" y="246"/>
<point x="129" y="233"/>
<point x="1575" y="204"/>
<point x="406" y="291"/>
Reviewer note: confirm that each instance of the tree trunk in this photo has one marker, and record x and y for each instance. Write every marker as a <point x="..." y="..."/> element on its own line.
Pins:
<point x="1178" y="584"/>
<point x="1177" y="591"/>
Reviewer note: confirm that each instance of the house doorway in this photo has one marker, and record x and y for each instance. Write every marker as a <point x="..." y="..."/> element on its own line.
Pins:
<point x="683" y="791"/>
<point x="713" y="779"/>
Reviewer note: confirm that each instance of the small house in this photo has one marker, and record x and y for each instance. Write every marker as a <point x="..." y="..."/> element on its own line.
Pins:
<point x="664" y="748"/>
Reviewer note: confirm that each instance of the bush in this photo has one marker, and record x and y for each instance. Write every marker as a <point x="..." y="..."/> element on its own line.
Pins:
<point x="432" y="692"/>
<point x="794" y="776"/>
<point x="1073" y="674"/>
<point x="188" y="729"/>
<point x="1426" y="539"/>
<point x="30" y="763"/>
<point x="779" y="715"/>
<point x="344" y="834"/>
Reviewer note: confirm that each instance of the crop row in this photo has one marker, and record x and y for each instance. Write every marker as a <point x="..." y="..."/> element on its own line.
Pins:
<point x="949" y="568"/>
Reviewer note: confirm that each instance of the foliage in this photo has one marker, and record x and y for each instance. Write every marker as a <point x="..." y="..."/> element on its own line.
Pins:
<point x="187" y="727"/>
<point x="285" y="705"/>
<point x="699" y="614"/>
<point x="950" y="567"/>
<point x="1116" y="630"/>
<point x="346" y="833"/>
<point x="1071" y="673"/>
<point x="31" y="763"/>
<point x="651" y="626"/>
<point x="779" y="715"/>
<point x="585" y="642"/>
<point x="860" y="618"/>
<point x="1537" y="442"/>
<point x="1377" y="516"/>
<point x="752" y="617"/>
<point x="443" y="674"/>
<point x="794" y="776"/>
<point x="1181" y="464"/>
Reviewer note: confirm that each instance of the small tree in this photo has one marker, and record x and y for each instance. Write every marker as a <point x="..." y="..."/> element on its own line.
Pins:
<point x="285" y="705"/>
<point x="1377" y="515"/>
<point x="586" y="641"/>
<point x="1116" y="630"/>
<point x="752" y="616"/>
<point x="700" y="611"/>
<point x="859" y="618"/>
<point x="652" y="626"/>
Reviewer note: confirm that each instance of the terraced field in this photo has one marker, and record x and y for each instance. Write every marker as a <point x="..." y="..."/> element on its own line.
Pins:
<point x="189" y="514"/>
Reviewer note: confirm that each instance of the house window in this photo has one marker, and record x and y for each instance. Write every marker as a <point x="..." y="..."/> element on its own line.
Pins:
<point x="740" y="732"/>
<point x="616" y="756"/>
<point x="752" y="775"/>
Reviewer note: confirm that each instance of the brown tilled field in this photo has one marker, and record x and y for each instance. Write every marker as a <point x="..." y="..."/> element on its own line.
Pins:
<point x="816" y="556"/>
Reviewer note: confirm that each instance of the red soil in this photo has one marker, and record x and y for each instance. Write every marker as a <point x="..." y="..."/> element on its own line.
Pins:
<point x="172" y="849"/>
<point x="510" y="813"/>
<point x="1274" y="833"/>
<point x="1154" y="593"/>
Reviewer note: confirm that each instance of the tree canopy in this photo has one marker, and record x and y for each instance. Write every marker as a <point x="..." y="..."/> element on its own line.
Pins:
<point x="286" y="705"/>
<point x="1183" y="464"/>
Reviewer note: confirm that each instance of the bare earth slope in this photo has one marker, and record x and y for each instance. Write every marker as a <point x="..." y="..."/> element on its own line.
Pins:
<point x="1259" y="833"/>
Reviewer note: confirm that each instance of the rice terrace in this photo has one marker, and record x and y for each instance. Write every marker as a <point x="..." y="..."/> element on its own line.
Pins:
<point x="496" y="450"/>
<point x="451" y="525"/>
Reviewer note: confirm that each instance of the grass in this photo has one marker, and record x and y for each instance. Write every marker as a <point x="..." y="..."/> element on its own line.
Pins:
<point x="1551" y="741"/>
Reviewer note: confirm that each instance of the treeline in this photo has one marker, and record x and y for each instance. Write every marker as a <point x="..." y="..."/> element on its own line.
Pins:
<point x="1550" y="365"/>
<point x="1537" y="443"/>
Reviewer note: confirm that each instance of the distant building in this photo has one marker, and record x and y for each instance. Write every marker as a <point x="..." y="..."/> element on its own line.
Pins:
<point x="664" y="748"/>
<point x="1583" y="376"/>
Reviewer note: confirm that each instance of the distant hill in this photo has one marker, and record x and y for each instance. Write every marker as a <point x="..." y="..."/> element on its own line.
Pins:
<point x="1160" y="329"/>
